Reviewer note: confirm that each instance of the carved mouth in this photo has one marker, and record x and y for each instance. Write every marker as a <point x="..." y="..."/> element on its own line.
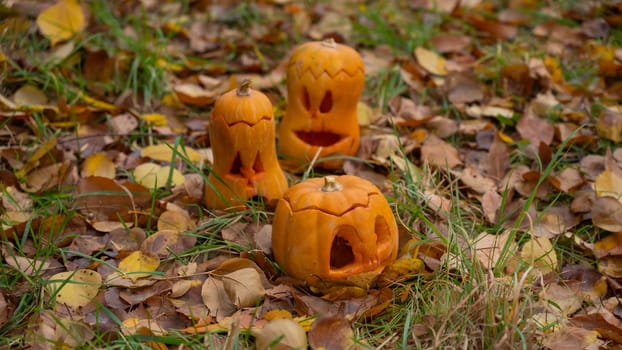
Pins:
<point x="319" y="138"/>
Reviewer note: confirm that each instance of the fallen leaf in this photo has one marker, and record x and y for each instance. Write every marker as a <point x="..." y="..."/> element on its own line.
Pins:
<point x="490" y="250"/>
<point x="74" y="288"/>
<point x="280" y="334"/>
<point x="98" y="164"/>
<point x="154" y="176"/>
<point x="61" y="21"/>
<point x="139" y="265"/>
<point x="609" y="184"/>
<point x="570" y="338"/>
<point x="216" y="299"/>
<point x="244" y="287"/>
<point x="331" y="332"/>
<point x="166" y="153"/>
<point x="430" y="61"/>
<point x="29" y="95"/>
<point x="439" y="153"/>
<point x="539" y="253"/>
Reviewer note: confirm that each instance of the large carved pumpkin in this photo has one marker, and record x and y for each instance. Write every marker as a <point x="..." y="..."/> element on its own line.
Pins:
<point x="242" y="135"/>
<point x="324" y="83"/>
<point x="333" y="228"/>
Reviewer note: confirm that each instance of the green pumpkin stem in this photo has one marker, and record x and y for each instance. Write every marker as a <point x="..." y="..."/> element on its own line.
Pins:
<point x="245" y="88"/>
<point x="331" y="184"/>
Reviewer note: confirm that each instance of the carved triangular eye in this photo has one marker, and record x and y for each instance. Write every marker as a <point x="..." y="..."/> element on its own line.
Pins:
<point x="306" y="101"/>
<point x="258" y="165"/>
<point x="236" y="166"/>
<point x="327" y="102"/>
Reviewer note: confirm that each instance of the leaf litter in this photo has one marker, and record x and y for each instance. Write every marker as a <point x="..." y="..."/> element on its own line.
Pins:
<point x="524" y="144"/>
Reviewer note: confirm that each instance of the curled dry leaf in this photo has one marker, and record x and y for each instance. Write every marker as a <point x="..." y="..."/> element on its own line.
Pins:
<point x="175" y="220"/>
<point x="439" y="153"/>
<point x="609" y="184"/>
<point x="280" y="334"/>
<point x="609" y="245"/>
<point x="244" y="287"/>
<point x="74" y="288"/>
<point x="491" y="249"/>
<point x="570" y="338"/>
<point x="607" y="214"/>
<point x="216" y="299"/>
<point x="331" y="332"/>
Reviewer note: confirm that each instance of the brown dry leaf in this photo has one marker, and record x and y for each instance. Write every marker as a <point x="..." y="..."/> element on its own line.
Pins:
<point x="61" y="21"/>
<point x="554" y="221"/>
<point x="166" y="242"/>
<point x="45" y="178"/>
<point x="611" y="266"/>
<point x="165" y="152"/>
<point x="331" y="332"/>
<point x="103" y="199"/>
<point x="603" y="321"/>
<point x="175" y="220"/>
<point x="15" y="200"/>
<point x="98" y="164"/>
<point x="280" y="334"/>
<point x="439" y="153"/>
<point x="64" y="332"/>
<point x="535" y="129"/>
<point x="180" y="288"/>
<point x="136" y="296"/>
<point x="491" y="203"/>
<point x="568" y="180"/>
<point x="139" y="265"/>
<point x="216" y="299"/>
<point x="12" y="223"/>
<point x="445" y="43"/>
<point x="516" y="80"/>
<point x="492" y="28"/>
<point x="477" y="111"/>
<point x="74" y="288"/>
<point x="609" y="125"/>
<point x="244" y="287"/>
<point x="463" y="87"/>
<point x="123" y="124"/>
<point x="25" y="265"/>
<point x="29" y="95"/>
<point x="609" y="184"/>
<point x="4" y="310"/>
<point x="476" y="181"/>
<point x="561" y="299"/>
<point x="586" y="280"/>
<point x="539" y="253"/>
<point x="609" y="245"/>
<point x="194" y="94"/>
<point x="570" y="338"/>
<point x="490" y="250"/>
<point x="607" y="214"/>
<point x="430" y="61"/>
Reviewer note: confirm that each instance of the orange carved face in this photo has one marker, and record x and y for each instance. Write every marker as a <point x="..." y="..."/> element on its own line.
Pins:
<point x="324" y="83"/>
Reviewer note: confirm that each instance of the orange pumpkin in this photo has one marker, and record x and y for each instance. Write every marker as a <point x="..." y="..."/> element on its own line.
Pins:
<point x="242" y="135"/>
<point x="324" y="83"/>
<point x="333" y="228"/>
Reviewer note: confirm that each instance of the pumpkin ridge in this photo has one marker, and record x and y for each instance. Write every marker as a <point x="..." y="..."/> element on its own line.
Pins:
<point x="301" y="72"/>
<point x="325" y="211"/>
<point x="247" y="122"/>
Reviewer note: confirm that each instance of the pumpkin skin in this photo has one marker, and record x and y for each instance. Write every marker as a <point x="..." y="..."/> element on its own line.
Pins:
<point x="324" y="83"/>
<point x="242" y="135"/>
<point x="336" y="233"/>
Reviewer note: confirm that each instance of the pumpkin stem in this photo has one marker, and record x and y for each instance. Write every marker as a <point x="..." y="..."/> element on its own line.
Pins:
<point x="331" y="184"/>
<point x="245" y="88"/>
<point x="329" y="42"/>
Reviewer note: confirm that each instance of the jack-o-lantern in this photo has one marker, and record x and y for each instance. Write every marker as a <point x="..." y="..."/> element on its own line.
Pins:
<point x="333" y="228"/>
<point x="242" y="135"/>
<point x="324" y="83"/>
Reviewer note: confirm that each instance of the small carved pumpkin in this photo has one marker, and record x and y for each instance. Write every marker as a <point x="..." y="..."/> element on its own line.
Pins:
<point x="324" y="83"/>
<point x="242" y="135"/>
<point x="333" y="228"/>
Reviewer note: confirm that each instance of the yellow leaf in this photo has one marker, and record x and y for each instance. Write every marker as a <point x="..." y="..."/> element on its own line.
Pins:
<point x="29" y="95"/>
<point x="430" y="61"/>
<point x="608" y="184"/>
<point x="75" y="288"/>
<point x="98" y="164"/>
<point x="154" y="176"/>
<point x="138" y="265"/>
<point x="61" y="21"/>
<point x="276" y="314"/>
<point x="164" y="152"/>
<point x="156" y="119"/>
<point x="539" y="253"/>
